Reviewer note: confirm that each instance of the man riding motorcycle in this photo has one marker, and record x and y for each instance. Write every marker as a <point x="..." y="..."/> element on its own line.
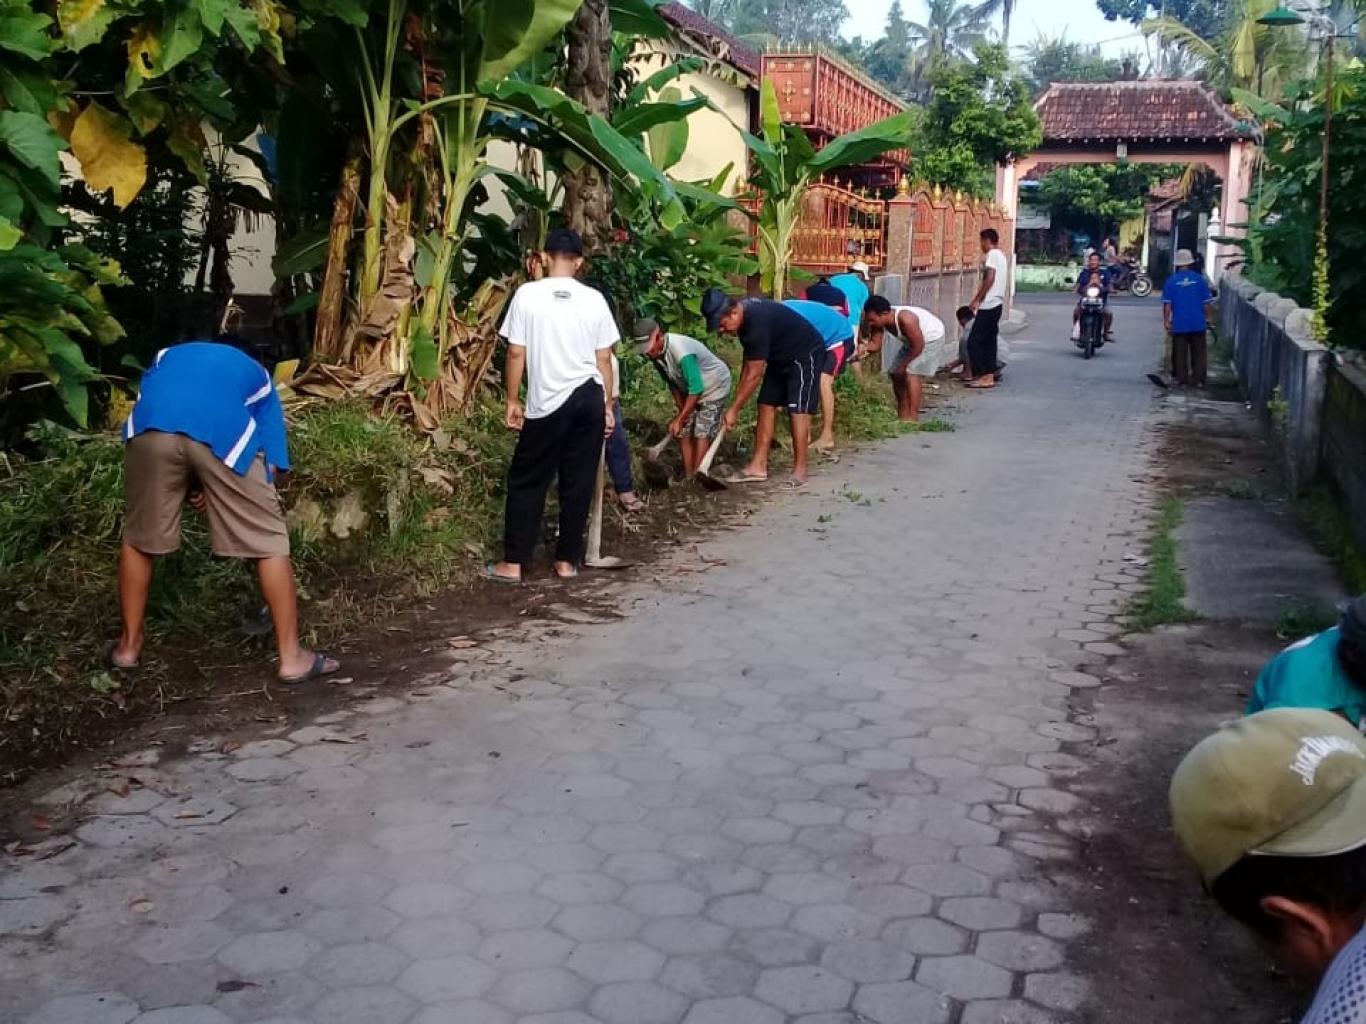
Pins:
<point x="1094" y="274"/>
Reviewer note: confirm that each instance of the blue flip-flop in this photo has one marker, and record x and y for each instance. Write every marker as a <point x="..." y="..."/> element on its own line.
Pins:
<point x="489" y="572"/>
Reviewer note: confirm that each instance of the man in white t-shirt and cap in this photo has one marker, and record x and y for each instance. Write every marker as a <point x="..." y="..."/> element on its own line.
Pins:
<point x="560" y="332"/>
<point x="698" y="379"/>
<point x="987" y="306"/>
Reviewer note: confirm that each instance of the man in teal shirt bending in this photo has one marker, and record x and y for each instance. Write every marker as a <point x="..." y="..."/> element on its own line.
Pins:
<point x="1325" y="671"/>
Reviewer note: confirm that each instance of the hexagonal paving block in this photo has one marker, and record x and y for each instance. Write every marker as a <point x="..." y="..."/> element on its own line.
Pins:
<point x="95" y="1008"/>
<point x="198" y="810"/>
<point x="803" y="989"/>
<point x="574" y="887"/>
<point x="606" y="962"/>
<point x="540" y="990"/>
<point x="269" y="952"/>
<point x="946" y="880"/>
<point x="263" y="769"/>
<point x="359" y="963"/>
<point x="889" y="901"/>
<point x="1064" y="926"/>
<point x="521" y="950"/>
<point x="347" y="890"/>
<point x="363" y="1005"/>
<point x="804" y="888"/>
<point x="963" y="977"/>
<point x="750" y="910"/>
<point x="637" y="1002"/>
<point x="663" y="899"/>
<point x="1020" y="951"/>
<point x="597" y="922"/>
<point x="427" y="899"/>
<point x="1005" y="1011"/>
<point x="33" y="915"/>
<point x="136" y="831"/>
<point x="446" y="979"/>
<point x="135" y="801"/>
<point x="865" y="960"/>
<point x="513" y="910"/>
<point x="732" y="1010"/>
<point x="924" y="936"/>
<point x="263" y="748"/>
<point x="435" y="936"/>
<point x="182" y="943"/>
<point x="497" y="878"/>
<point x="471" y="1010"/>
<point x="337" y="925"/>
<point x="981" y="913"/>
<point x="775" y="947"/>
<point x="834" y="922"/>
<point x="709" y="976"/>
<point x="902" y="1002"/>
<point x="677" y="936"/>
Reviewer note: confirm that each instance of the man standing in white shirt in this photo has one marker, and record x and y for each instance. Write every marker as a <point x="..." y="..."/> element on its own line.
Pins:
<point x="987" y="306"/>
<point x="560" y="333"/>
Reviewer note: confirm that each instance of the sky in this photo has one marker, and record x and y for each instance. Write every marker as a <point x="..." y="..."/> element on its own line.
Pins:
<point x="1079" y="19"/>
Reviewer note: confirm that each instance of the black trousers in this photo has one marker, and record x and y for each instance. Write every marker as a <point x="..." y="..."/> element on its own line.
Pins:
<point x="567" y="444"/>
<point x="986" y="328"/>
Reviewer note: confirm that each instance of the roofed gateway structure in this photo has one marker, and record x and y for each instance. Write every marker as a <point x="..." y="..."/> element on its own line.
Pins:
<point x="1154" y="121"/>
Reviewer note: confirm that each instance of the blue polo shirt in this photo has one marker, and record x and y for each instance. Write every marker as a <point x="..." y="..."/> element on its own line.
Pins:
<point x="1187" y="292"/>
<point x="829" y="322"/>
<point x="1309" y="674"/>
<point x="856" y="292"/>
<point x="218" y="396"/>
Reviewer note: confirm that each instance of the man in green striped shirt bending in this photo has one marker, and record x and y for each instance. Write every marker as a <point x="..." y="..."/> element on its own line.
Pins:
<point x="699" y="380"/>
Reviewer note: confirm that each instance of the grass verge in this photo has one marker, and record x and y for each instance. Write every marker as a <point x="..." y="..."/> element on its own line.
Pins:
<point x="1161" y="602"/>
<point x="380" y="516"/>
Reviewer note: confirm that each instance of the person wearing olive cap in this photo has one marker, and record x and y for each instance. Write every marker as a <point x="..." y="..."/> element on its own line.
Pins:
<point x="1271" y="810"/>
<point x="1325" y="671"/>
<point x="699" y="381"/>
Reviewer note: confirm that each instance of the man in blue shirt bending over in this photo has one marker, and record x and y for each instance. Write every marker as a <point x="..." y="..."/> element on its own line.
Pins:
<point x="1186" y="302"/>
<point x="208" y="429"/>
<point x="838" y="336"/>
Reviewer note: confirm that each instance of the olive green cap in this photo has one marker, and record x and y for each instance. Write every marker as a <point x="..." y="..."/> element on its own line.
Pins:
<point x="1290" y="782"/>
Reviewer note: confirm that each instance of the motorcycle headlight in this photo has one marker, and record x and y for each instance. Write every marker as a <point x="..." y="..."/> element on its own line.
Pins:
<point x="1093" y="293"/>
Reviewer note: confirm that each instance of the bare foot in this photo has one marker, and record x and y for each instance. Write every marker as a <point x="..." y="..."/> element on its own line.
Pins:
<point x="909" y="419"/>
<point x="566" y="570"/>
<point x="125" y="656"/>
<point x="305" y="665"/>
<point x="506" y="570"/>
<point x="823" y="444"/>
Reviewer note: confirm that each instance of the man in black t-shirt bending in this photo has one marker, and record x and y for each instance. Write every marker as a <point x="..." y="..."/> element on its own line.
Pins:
<point x="784" y="356"/>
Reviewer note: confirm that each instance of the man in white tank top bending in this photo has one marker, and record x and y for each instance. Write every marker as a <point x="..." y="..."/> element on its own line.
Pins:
<point x="919" y="335"/>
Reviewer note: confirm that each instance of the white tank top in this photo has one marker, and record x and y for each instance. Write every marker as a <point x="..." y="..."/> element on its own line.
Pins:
<point x="930" y="325"/>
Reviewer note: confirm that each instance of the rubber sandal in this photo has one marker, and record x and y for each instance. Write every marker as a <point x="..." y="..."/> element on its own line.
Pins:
<point x="793" y="484"/>
<point x="980" y="387"/>
<point x="634" y="505"/>
<point x="489" y="573"/>
<point x="318" y="668"/>
<point x="1159" y="382"/>
<point x="746" y="478"/>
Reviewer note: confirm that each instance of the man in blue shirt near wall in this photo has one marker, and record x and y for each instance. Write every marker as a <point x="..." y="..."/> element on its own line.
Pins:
<point x="208" y="429"/>
<point x="1186" y="302"/>
<point x="838" y="336"/>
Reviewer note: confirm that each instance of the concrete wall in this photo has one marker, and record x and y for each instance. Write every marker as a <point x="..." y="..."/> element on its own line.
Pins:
<point x="1283" y="371"/>
<point x="1344" y="439"/>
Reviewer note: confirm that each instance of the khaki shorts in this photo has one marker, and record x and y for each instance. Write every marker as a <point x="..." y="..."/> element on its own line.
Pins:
<point x="705" y="420"/>
<point x="244" y="512"/>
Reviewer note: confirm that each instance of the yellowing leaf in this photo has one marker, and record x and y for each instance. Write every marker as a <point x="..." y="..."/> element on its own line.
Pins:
<point x="9" y="235"/>
<point x="145" y="111"/>
<point x="84" y="22"/>
<point x="108" y="159"/>
<point x="144" y="50"/>
<point x="62" y="121"/>
<point x="285" y="371"/>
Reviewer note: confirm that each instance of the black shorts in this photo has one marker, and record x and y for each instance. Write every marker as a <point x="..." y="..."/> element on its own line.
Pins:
<point x="837" y="358"/>
<point x="796" y="385"/>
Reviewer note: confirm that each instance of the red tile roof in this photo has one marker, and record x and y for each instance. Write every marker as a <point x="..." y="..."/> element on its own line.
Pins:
<point x="1140" y="111"/>
<point x="727" y="47"/>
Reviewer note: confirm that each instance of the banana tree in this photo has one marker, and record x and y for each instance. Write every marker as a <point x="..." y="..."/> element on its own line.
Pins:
<point x="785" y="163"/>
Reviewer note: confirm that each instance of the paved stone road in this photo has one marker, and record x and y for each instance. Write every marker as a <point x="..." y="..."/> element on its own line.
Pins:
<point x="818" y="780"/>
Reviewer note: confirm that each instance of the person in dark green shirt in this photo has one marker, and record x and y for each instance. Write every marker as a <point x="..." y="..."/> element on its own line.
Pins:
<point x="1325" y="671"/>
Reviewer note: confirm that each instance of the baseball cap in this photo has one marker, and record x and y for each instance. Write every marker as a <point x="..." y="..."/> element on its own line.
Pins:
<point x="1183" y="258"/>
<point x="859" y="267"/>
<point x="1290" y="782"/>
<point x="564" y="240"/>
<point x="715" y="302"/>
<point x="642" y="332"/>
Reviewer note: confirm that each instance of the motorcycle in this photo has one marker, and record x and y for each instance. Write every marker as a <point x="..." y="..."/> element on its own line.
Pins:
<point x="1126" y="277"/>
<point x="1091" y="323"/>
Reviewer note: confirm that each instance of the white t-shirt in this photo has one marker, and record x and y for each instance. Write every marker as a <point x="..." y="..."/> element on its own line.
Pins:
<point x="996" y="294"/>
<point x="562" y="324"/>
<point x="931" y="328"/>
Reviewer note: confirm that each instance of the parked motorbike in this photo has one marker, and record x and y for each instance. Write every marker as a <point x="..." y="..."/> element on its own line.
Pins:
<point x="1091" y="323"/>
<point x="1127" y="277"/>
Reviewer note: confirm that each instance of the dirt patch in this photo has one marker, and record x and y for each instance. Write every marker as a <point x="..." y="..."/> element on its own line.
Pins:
<point x="1161" y="949"/>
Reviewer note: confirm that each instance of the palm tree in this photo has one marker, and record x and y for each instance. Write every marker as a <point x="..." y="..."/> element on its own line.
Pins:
<point x="951" y="29"/>
<point x="1006" y="8"/>
<point x="1247" y="55"/>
